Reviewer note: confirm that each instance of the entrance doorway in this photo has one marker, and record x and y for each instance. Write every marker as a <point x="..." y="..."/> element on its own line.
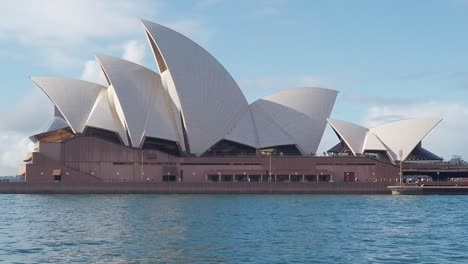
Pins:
<point x="349" y="176"/>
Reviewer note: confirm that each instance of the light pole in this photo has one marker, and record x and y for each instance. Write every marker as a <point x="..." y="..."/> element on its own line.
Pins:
<point x="401" y="166"/>
<point x="268" y="152"/>
<point x="269" y="169"/>
<point x="141" y="173"/>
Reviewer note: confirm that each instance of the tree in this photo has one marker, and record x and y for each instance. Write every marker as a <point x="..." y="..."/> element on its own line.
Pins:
<point x="457" y="160"/>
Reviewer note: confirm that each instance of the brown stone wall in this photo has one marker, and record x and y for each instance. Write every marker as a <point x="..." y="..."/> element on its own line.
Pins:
<point x="91" y="159"/>
<point x="197" y="188"/>
<point x="41" y="170"/>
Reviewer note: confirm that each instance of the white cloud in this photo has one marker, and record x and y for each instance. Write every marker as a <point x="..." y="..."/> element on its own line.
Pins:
<point x="368" y="99"/>
<point x="59" y="32"/>
<point x="134" y="51"/>
<point x="14" y="150"/>
<point x="193" y="28"/>
<point x="31" y="115"/>
<point x="447" y="139"/>
<point x="57" y="59"/>
<point x="92" y="73"/>
<point x="279" y="82"/>
<point x="70" y="22"/>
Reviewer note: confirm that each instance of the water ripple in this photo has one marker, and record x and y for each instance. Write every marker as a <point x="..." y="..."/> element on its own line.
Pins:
<point x="232" y="229"/>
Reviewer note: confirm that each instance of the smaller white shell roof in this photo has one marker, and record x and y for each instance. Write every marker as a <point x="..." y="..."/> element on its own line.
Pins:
<point x="353" y="135"/>
<point x="145" y="105"/>
<point x="402" y="135"/>
<point x="373" y="143"/>
<point x="301" y="113"/>
<point x="244" y="131"/>
<point x="269" y="133"/>
<point x="73" y="98"/>
<point x="313" y="102"/>
<point x="56" y="124"/>
<point x="102" y="117"/>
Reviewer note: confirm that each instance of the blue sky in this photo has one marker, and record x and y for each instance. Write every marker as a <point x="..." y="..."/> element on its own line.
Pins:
<point x="389" y="59"/>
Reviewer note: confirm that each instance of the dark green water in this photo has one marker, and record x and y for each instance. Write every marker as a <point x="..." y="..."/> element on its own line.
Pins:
<point x="233" y="229"/>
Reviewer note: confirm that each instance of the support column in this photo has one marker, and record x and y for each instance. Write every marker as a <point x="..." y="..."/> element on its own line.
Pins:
<point x="303" y="178"/>
<point x="317" y="178"/>
<point x="289" y="177"/>
<point x="233" y="178"/>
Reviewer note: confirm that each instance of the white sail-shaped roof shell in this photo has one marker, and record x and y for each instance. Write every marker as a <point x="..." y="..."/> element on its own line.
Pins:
<point x="209" y="99"/>
<point x="102" y="117"/>
<point x="373" y="143"/>
<point x="301" y="113"/>
<point x="143" y="105"/>
<point x="56" y="124"/>
<point x="194" y="101"/>
<point x="244" y="131"/>
<point x="404" y="135"/>
<point x="73" y="98"/>
<point x="353" y="135"/>
<point x="269" y="133"/>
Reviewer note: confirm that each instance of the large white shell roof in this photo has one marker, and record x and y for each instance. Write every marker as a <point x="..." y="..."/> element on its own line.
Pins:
<point x="193" y="101"/>
<point x="73" y="98"/>
<point x="145" y="105"/>
<point x="210" y="100"/>
<point x="301" y="113"/>
<point x="403" y="135"/>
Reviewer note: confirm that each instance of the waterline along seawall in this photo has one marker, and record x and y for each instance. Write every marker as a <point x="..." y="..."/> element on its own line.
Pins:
<point x="194" y="188"/>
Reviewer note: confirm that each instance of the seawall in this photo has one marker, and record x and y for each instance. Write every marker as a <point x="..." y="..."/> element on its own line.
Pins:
<point x="194" y="188"/>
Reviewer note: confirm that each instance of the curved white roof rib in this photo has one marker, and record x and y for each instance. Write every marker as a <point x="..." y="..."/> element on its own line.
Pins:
<point x="404" y="135"/>
<point x="73" y="98"/>
<point x="301" y="113"/>
<point x="103" y="117"/>
<point x="56" y="124"/>
<point x="244" y="131"/>
<point x="353" y="135"/>
<point x="373" y="143"/>
<point x="209" y="99"/>
<point x="141" y="102"/>
<point x="269" y="133"/>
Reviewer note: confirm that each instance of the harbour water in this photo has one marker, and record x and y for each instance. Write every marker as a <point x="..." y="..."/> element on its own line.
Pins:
<point x="233" y="229"/>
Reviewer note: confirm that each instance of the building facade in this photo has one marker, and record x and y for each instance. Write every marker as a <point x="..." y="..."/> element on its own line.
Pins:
<point x="191" y="122"/>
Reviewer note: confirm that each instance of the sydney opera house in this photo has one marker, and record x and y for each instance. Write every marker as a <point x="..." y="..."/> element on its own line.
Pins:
<point x="191" y="122"/>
